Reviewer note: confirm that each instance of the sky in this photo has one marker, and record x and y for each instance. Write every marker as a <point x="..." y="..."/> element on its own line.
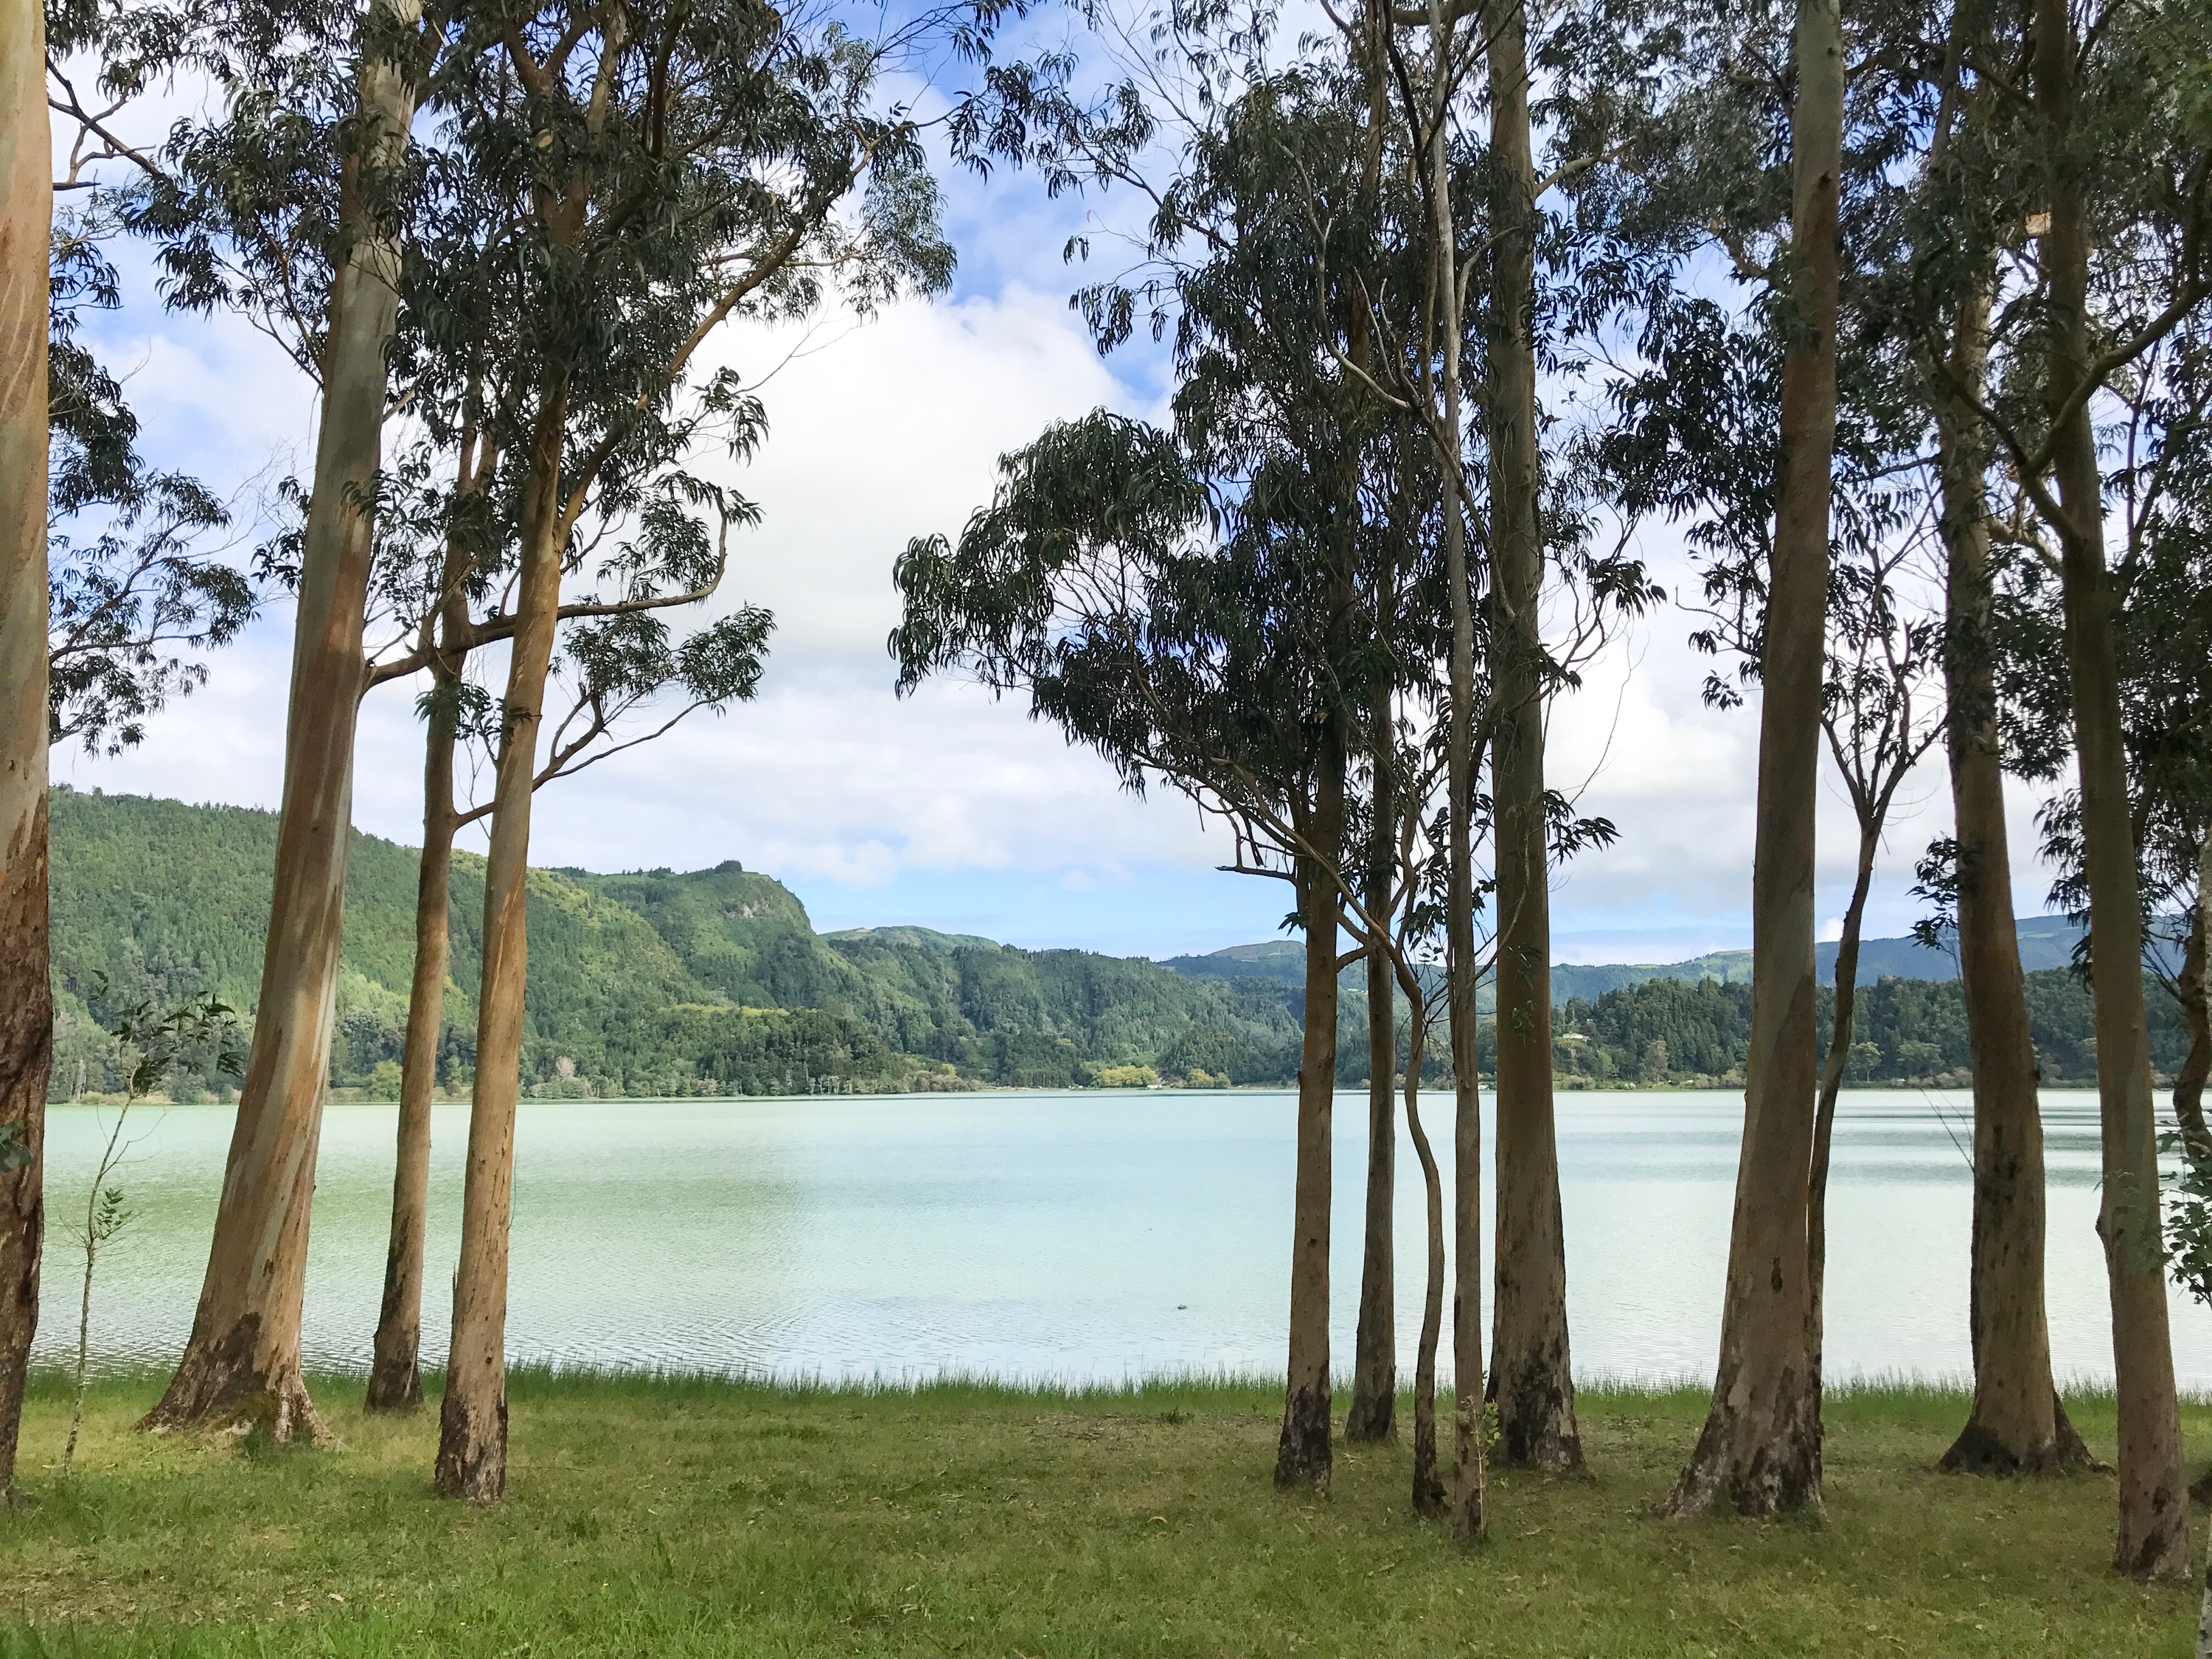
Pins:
<point x="948" y="808"/>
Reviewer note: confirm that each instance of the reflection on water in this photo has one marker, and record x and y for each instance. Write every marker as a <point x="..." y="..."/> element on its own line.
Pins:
<point x="1067" y="1236"/>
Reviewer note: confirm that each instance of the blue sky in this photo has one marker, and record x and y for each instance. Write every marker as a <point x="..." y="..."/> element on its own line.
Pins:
<point x="950" y="810"/>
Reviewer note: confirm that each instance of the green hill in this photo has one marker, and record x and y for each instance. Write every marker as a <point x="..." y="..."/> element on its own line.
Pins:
<point x="714" y="982"/>
<point x="651" y="982"/>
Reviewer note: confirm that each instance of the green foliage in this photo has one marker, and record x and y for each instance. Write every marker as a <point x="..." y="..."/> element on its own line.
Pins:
<point x="652" y="982"/>
<point x="1905" y="1031"/>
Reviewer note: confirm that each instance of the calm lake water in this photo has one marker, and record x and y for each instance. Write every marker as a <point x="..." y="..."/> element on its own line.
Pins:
<point x="1071" y="1237"/>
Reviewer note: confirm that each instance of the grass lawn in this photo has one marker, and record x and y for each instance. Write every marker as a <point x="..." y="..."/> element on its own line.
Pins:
<point x="674" y="1518"/>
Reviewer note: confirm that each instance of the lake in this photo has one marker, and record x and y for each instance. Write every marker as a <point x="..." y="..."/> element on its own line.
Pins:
<point x="1078" y="1237"/>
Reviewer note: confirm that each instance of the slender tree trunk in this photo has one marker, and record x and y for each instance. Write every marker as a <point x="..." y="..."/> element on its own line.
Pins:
<point x="2017" y="1424"/>
<point x="1375" y="1346"/>
<point x="473" y="1417"/>
<point x="242" y="1362"/>
<point x="1461" y="969"/>
<point x="1531" y="1378"/>
<point x="1375" y="1361"/>
<point x="27" y="1012"/>
<point x="1428" y="1484"/>
<point x="1301" y="1457"/>
<point x="2152" y="1540"/>
<point x="1760" y="1448"/>
<point x="1824" y="1117"/>
<point x="395" y="1376"/>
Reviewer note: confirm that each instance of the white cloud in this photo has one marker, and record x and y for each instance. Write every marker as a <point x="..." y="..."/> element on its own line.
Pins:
<point x="878" y="433"/>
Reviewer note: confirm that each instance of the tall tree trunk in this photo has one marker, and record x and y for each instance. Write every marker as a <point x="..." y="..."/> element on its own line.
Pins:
<point x="395" y="1375"/>
<point x="242" y="1361"/>
<point x="1460" y="968"/>
<point x="2152" y="1540"/>
<point x="1374" y="1344"/>
<point x="1531" y="1379"/>
<point x="473" y="1417"/>
<point x="1760" y="1448"/>
<point x="2017" y="1424"/>
<point x="27" y="1012"/>
<point x="1302" y="1456"/>
<point x="1375" y="1351"/>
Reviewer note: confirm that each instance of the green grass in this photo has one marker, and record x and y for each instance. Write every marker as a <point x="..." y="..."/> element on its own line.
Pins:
<point x="674" y="1517"/>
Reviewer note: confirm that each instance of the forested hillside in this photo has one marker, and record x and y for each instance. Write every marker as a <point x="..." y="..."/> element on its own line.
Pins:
<point x="1907" y="1030"/>
<point x="710" y="981"/>
<point x="715" y="981"/>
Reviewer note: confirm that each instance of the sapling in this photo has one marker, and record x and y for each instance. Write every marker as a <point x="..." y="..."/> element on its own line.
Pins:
<point x="201" y="1037"/>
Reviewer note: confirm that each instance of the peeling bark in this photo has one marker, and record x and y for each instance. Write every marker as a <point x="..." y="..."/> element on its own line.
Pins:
<point x="27" y="1016"/>
<point x="1759" y="1451"/>
<point x="242" y="1362"/>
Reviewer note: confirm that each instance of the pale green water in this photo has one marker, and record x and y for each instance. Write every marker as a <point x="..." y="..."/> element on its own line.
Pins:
<point x="1074" y="1237"/>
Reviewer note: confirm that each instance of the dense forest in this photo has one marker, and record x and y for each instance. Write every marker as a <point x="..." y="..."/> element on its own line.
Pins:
<point x="714" y="982"/>
<point x="708" y="982"/>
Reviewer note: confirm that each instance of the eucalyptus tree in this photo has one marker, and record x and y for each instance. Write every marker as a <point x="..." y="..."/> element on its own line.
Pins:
<point x="1264" y="220"/>
<point x="26" y="1024"/>
<point x="1950" y="230"/>
<point x="1095" y="582"/>
<point x="1879" y="726"/>
<point x="2105" y="129"/>
<point x="106" y="611"/>
<point x="1702" y="170"/>
<point x="1760" y="1447"/>
<point x="625" y="681"/>
<point x="2162" y="583"/>
<point x="1531" y="1381"/>
<point x="290" y="206"/>
<point x="664" y="168"/>
<point x="445" y="571"/>
<point x="1427" y="105"/>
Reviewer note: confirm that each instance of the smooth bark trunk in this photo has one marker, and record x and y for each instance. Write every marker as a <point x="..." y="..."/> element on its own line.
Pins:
<point x="1759" y="1451"/>
<point x="27" y="1015"/>
<point x="473" y="1417"/>
<point x="2152" y="1539"/>
<point x="1824" y="1116"/>
<point x="242" y="1361"/>
<point x="1301" y="1457"/>
<point x="1531" y="1379"/>
<point x="1428" y="1483"/>
<point x="395" y="1375"/>
<point x="1373" y="1412"/>
<point x="2016" y="1424"/>
<point x="1461" y="969"/>
<point x="1375" y="1349"/>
